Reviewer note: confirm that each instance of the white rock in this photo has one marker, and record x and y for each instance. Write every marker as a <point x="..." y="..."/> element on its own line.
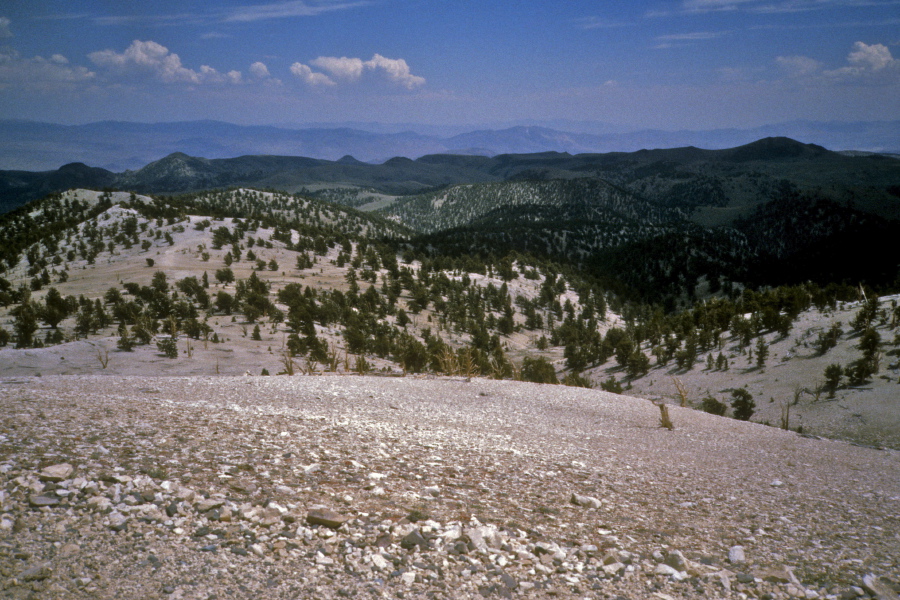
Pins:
<point x="586" y="501"/>
<point x="736" y="555"/>
<point x="58" y="472"/>
<point x="665" y="570"/>
<point x="380" y="562"/>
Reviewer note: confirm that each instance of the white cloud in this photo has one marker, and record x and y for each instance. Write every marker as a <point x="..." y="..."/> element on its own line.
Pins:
<point x="39" y="72"/>
<point x="293" y="8"/>
<point x="397" y="70"/>
<point x="869" y="61"/>
<point x="4" y="28"/>
<point x="155" y="60"/>
<point x="346" y="68"/>
<point x="691" y="37"/>
<point x="309" y="76"/>
<point x="766" y="6"/>
<point x="352" y="69"/>
<point x="874" y="57"/>
<point x="798" y="66"/>
<point x="597" y="23"/>
<point x="259" y="70"/>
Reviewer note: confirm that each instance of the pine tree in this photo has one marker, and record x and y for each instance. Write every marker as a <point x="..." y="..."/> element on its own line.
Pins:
<point x="743" y="404"/>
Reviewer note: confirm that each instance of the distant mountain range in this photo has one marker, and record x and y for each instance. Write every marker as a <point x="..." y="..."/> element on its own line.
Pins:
<point x="119" y="146"/>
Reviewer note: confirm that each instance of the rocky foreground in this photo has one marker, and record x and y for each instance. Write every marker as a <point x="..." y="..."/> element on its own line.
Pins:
<point x="326" y="487"/>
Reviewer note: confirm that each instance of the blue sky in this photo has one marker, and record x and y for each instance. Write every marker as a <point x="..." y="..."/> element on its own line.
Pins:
<point x="684" y="64"/>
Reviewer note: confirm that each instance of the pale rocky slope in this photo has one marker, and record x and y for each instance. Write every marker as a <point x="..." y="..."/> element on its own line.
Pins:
<point x="197" y="487"/>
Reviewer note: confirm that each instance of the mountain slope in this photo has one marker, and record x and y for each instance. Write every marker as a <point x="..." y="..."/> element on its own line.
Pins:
<point x="425" y="482"/>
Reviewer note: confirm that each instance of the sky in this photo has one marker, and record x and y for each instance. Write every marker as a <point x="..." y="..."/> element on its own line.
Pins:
<point x="640" y="64"/>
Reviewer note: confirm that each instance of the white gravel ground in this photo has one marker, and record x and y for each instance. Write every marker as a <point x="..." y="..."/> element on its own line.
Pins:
<point x="201" y="487"/>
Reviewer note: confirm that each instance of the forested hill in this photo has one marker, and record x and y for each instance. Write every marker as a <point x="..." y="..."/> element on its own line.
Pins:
<point x="684" y="177"/>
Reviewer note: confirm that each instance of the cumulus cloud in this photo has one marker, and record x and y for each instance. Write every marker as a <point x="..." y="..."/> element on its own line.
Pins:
<point x="4" y="28"/>
<point x="870" y="61"/>
<point x="397" y="70"/>
<point x="153" y="59"/>
<point x="309" y="76"/>
<point x="343" y="67"/>
<point x="866" y="62"/>
<point x="874" y="57"/>
<point x="259" y="70"/>
<point x="351" y="69"/>
<point x="40" y="72"/>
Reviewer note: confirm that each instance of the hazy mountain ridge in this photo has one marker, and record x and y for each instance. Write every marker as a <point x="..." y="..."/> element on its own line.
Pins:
<point x="119" y="146"/>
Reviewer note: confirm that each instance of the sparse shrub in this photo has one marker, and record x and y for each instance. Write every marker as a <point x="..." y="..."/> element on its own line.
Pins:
<point x="150" y="262"/>
<point x="168" y="346"/>
<point x="538" y="370"/>
<point x="833" y="375"/>
<point x="611" y="385"/>
<point x="125" y="341"/>
<point x="577" y="380"/>
<point x="713" y="406"/>
<point x="362" y="366"/>
<point x="225" y="275"/>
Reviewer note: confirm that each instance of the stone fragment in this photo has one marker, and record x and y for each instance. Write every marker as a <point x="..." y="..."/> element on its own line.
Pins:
<point x="509" y="581"/>
<point x="41" y="501"/>
<point x="272" y="516"/>
<point x="100" y="503"/>
<point x="408" y="578"/>
<point x="36" y="573"/>
<point x="380" y="562"/>
<point x="118" y="521"/>
<point x="433" y="491"/>
<point x="243" y="486"/>
<point x="676" y="560"/>
<point x="780" y="575"/>
<point x="208" y="504"/>
<point x="613" y="568"/>
<point x="326" y="517"/>
<point x="666" y="570"/>
<point x="57" y="473"/>
<point x="736" y="555"/>
<point x="878" y="589"/>
<point x="412" y="540"/>
<point x="585" y="501"/>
